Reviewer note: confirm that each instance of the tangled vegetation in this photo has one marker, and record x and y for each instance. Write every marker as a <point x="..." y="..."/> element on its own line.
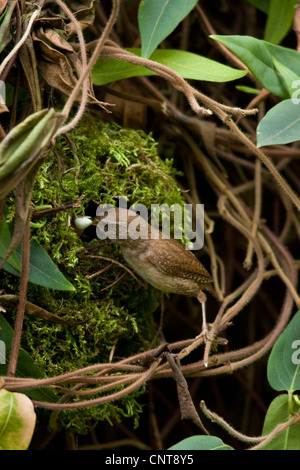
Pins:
<point x="208" y="118"/>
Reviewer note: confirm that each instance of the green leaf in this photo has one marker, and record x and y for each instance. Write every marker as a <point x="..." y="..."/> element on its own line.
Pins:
<point x="280" y="18"/>
<point x="278" y="413"/>
<point x="262" y="5"/>
<point x="281" y="125"/>
<point x="258" y="56"/>
<point x="22" y="146"/>
<point x="17" y="421"/>
<point x="248" y="89"/>
<point x="158" y="18"/>
<point x="5" y="35"/>
<point x="186" y="64"/>
<point x="26" y="367"/>
<point x="42" y="270"/>
<point x="25" y="140"/>
<point x="5" y="238"/>
<point x="284" y="361"/>
<point x="289" y="78"/>
<point x="201" y="443"/>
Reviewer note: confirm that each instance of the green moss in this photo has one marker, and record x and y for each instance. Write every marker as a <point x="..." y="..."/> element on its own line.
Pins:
<point x="109" y="161"/>
<point x="103" y="163"/>
<point x="127" y="407"/>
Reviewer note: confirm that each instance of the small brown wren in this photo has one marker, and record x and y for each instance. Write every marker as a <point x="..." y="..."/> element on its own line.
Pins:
<point x="164" y="263"/>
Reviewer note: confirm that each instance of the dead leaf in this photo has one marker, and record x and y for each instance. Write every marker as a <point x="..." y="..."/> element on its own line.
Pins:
<point x="187" y="407"/>
<point x="57" y="71"/>
<point x="29" y="64"/>
<point x="84" y="13"/>
<point x="56" y="39"/>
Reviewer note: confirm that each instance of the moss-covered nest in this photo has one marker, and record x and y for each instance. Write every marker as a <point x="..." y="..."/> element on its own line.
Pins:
<point x="97" y="163"/>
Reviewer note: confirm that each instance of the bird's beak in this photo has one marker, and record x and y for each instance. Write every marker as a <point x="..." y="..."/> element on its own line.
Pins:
<point x="84" y="222"/>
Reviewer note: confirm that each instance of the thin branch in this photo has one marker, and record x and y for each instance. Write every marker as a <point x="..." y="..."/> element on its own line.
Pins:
<point x="68" y="106"/>
<point x="257" y="211"/>
<point x="22" y="301"/>
<point x="225" y="118"/>
<point x="13" y="5"/>
<point x="214" y="417"/>
<point x="21" y="42"/>
<point x="114" y="262"/>
<point x="279" y="429"/>
<point x="97" y="401"/>
<point x="83" y="102"/>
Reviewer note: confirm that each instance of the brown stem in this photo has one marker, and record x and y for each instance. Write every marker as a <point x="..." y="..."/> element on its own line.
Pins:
<point x="22" y="301"/>
<point x="87" y="69"/>
<point x="18" y="36"/>
<point x="97" y="401"/>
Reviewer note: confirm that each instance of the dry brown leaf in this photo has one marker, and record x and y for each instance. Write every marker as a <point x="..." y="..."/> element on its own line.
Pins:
<point x="55" y="38"/>
<point x="57" y="71"/>
<point x="187" y="407"/>
<point x="84" y="13"/>
<point x="28" y="60"/>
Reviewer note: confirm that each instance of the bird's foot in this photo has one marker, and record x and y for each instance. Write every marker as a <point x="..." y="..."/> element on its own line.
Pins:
<point x="204" y="333"/>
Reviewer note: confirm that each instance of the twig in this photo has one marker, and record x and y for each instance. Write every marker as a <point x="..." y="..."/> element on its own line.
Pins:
<point x="210" y="30"/>
<point x="225" y="118"/>
<point x="21" y="42"/>
<point x="119" y="264"/>
<point x="68" y="106"/>
<point x="214" y="417"/>
<point x="118" y="279"/>
<point x="165" y="72"/>
<point x="279" y="428"/>
<point x="22" y="301"/>
<point x="13" y="5"/>
<point x="257" y="211"/>
<point x="50" y="210"/>
<point x="97" y="401"/>
<point x="83" y="102"/>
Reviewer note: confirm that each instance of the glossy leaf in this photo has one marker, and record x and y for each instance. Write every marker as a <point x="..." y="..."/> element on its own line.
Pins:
<point x="158" y="18"/>
<point x="5" y="239"/>
<point x="289" y="78"/>
<point x="284" y="361"/>
<point x="26" y="140"/>
<point x="26" y="367"/>
<point x="278" y="413"/>
<point x="280" y="18"/>
<point x="281" y="125"/>
<point x="186" y="64"/>
<point x="17" y="420"/>
<point x="258" y="56"/>
<point x="42" y="270"/>
<point x="201" y="443"/>
<point x="248" y="89"/>
<point x="22" y="146"/>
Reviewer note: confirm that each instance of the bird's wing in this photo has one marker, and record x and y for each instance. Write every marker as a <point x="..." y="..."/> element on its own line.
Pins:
<point x="178" y="262"/>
